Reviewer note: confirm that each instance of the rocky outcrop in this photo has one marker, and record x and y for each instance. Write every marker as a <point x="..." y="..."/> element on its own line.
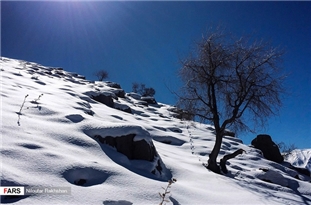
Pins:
<point x="180" y="114"/>
<point x="229" y="133"/>
<point x="105" y="99"/>
<point x="122" y="107"/>
<point x="301" y="170"/>
<point x="136" y="96"/>
<point x="274" y="177"/>
<point x="149" y="100"/>
<point x="140" y="149"/>
<point x="113" y="85"/>
<point x="119" y="93"/>
<point x="132" y="148"/>
<point x="269" y="149"/>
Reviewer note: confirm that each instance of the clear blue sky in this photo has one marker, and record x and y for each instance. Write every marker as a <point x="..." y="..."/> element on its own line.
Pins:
<point x="143" y="42"/>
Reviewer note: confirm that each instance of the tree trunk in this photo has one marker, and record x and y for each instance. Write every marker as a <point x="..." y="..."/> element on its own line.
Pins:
<point x="212" y="161"/>
<point x="227" y="157"/>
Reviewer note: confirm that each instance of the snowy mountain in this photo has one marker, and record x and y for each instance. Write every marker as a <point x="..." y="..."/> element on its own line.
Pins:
<point x="56" y="134"/>
<point x="300" y="158"/>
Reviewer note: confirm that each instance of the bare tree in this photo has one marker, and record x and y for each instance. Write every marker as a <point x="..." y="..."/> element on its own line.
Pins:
<point x="286" y="149"/>
<point x="230" y="82"/>
<point x="135" y="87"/>
<point x="143" y="90"/>
<point x="101" y="75"/>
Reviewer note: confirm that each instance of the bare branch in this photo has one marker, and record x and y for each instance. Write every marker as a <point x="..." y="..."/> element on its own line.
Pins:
<point x="228" y="79"/>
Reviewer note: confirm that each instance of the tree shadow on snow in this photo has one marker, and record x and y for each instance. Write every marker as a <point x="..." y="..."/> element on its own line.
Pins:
<point x="268" y="188"/>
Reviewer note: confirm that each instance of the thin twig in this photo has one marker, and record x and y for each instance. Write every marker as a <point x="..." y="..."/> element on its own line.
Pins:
<point x="166" y="191"/>
<point x="20" y="111"/>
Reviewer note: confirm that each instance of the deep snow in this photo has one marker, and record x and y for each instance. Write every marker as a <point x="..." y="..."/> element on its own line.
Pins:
<point x="49" y="143"/>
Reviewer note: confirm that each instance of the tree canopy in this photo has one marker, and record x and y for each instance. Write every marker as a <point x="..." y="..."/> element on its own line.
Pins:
<point x="227" y="79"/>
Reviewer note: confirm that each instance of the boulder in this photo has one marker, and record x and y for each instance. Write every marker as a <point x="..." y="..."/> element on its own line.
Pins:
<point x="119" y="93"/>
<point x="136" y="96"/>
<point x="229" y="133"/>
<point x="180" y="114"/>
<point x="143" y="150"/>
<point x="105" y="99"/>
<point x="149" y="100"/>
<point x="81" y="77"/>
<point x="300" y="170"/>
<point x="140" y="149"/>
<point x="140" y="102"/>
<point x="269" y="149"/>
<point x="113" y="85"/>
<point x="122" y="107"/>
<point x="272" y="176"/>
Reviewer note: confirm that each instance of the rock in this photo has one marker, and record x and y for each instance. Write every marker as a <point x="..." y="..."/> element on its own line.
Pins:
<point x="113" y="85"/>
<point x="175" y="129"/>
<point x="59" y="72"/>
<point x="81" y="77"/>
<point x="122" y="107"/>
<point x="149" y="100"/>
<point x="229" y="133"/>
<point x="301" y="170"/>
<point x="274" y="177"/>
<point x="134" y="95"/>
<point x="180" y="114"/>
<point x="119" y="93"/>
<point x="89" y="112"/>
<point x="57" y="68"/>
<point x="140" y="150"/>
<point x="140" y="102"/>
<point x="105" y="99"/>
<point x="269" y="149"/>
<point x="73" y="74"/>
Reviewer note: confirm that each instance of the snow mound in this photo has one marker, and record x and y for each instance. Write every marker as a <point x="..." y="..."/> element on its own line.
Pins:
<point x="116" y="130"/>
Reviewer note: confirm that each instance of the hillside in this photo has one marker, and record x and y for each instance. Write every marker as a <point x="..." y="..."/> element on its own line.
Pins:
<point x="300" y="158"/>
<point x="52" y="134"/>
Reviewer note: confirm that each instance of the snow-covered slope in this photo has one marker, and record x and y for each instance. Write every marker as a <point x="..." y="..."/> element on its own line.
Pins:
<point x="300" y="158"/>
<point x="48" y="123"/>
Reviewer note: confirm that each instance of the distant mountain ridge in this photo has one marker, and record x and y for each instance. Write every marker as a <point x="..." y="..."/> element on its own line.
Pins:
<point x="300" y="158"/>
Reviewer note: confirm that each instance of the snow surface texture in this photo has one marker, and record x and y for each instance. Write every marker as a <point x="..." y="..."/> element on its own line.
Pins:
<point x="48" y="141"/>
<point x="300" y="158"/>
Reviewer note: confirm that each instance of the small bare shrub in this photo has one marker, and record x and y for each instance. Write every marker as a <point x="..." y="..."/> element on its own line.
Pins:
<point x="286" y="149"/>
<point x="141" y="89"/>
<point x="101" y="75"/>
<point x="20" y="110"/>
<point x="166" y="191"/>
<point x="35" y="101"/>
